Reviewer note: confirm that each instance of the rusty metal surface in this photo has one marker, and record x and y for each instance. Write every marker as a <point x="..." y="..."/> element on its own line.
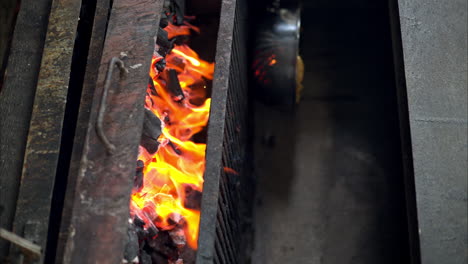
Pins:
<point x="43" y="143"/>
<point x="103" y="185"/>
<point x="94" y="57"/>
<point x="16" y="100"/>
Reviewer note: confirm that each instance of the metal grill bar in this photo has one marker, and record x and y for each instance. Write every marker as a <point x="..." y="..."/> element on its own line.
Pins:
<point x="221" y="216"/>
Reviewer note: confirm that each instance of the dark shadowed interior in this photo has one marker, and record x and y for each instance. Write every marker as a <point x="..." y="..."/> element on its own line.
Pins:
<point x="330" y="175"/>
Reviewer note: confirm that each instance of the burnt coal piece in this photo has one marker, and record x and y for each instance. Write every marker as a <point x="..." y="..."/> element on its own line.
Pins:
<point x="165" y="45"/>
<point x="151" y="132"/>
<point x="178" y="237"/>
<point x="174" y="86"/>
<point x="132" y="247"/>
<point x="138" y="179"/>
<point x="164" y="246"/>
<point x="192" y="198"/>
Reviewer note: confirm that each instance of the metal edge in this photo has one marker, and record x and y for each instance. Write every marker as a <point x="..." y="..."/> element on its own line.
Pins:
<point x="213" y="168"/>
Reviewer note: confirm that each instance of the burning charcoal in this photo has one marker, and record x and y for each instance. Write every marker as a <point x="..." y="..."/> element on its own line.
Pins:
<point x="179" y="261"/>
<point x="138" y="221"/>
<point x="176" y="150"/>
<point x="181" y="40"/>
<point x="164" y="21"/>
<point x="149" y="144"/>
<point x="175" y="219"/>
<point x="151" y="132"/>
<point x="160" y="65"/>
<point x="132" y="247"/>
<point x="141" y="233"/>
<point x="174" y="86"/>
<point x="152" y="231"/>
<point x="151" y="87"/>
<point x="151" y="125"/>
<point x="158" y="258"/>
<point x="178" y="63"/>
<point x="145" y="258"/>
<point x="138" y="179"/>
<point x="178" y="237"/>
<point x="187" y="254"/>
<point x="164" y="246"/>
<point x="192" y="198"/>
<point x="179" y="10"/>
<point x="165" y="45"/>
<point x="149" y="211"/>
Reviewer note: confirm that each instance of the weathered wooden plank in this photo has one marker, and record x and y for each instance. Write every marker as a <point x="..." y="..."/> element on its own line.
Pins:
<point x="16" y="100"/>
<point x="94" y="57"/>
<point x="100" y="212"/>
<point x="43" y="143"/>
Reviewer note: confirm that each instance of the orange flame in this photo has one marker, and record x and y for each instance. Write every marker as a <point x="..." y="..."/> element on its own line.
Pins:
<point x="179" y="162"/>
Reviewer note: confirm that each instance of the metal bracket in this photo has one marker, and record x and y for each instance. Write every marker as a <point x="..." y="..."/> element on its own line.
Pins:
<point x="102" y="108"/>
<point x="30" y="250"/>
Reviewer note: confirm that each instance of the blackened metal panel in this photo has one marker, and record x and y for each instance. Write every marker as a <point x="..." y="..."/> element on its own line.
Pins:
<point x="43" y="143"/>
<point x="100" y="212"/>
<point x="434" y="48"/>
<point x="16" y="100"/>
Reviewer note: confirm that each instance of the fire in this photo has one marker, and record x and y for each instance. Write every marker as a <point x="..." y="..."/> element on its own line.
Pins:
<point x="179" y="163"/>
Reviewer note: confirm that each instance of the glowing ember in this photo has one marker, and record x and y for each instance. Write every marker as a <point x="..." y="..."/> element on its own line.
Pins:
<point x="177" y="168"/>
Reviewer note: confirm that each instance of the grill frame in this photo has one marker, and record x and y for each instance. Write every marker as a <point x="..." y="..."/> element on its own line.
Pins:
<point x="227" y="195"/>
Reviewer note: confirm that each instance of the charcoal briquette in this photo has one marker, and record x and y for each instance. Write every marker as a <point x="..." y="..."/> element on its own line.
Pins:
<point x="145" y="258"/>
<point x="132" y="247"/>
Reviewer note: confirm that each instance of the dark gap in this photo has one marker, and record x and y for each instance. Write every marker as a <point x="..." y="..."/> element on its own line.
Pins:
<point x="405" y="132"/>
<point x="6" y="52"/>
<point x="111" y="3"/>
<point x="78" y="68"/>
<point x="352" y="130"/>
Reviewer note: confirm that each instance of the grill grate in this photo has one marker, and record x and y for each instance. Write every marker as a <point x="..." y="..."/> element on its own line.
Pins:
<point x="228" y="239"/>
<point x="222" y="228"/>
